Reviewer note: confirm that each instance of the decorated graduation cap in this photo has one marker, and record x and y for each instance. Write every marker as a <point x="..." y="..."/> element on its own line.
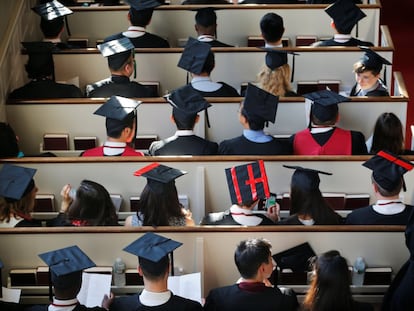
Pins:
<point x="51" y="10"/>
<point x="119" y="111"/>
<point x="194" y="56"/>
<point x="40" y="63"/>
<point x="116" y="51"/>
<point x="16" y="182"/>
<point x="345" y="14"/>
<point x="306" y="178"/>
<point x="206" y="16"/>
<point x="187" y="102"/>
<point x="372" y="59"/>
<point x="140" y="5"/>
<point x="388" y="169"/>
<point x="325" y="104"/>
<point x="296" y="258"/>
<point x="247" y="182"/>
<point x="260" y="105"/>
<point x="159" y="176"/>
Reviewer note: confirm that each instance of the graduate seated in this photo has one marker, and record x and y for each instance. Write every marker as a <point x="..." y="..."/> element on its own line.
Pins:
<point x="121" y="128"/>
<point x="387" y="182"/>
<point x="244" y="209"/>
<point x="253" y="291"/>
<point x="272" y="30"/>
<point x="345" y="15"/>
<point x="121" y="63"/>
<point x="41" y="70"/>
<point x="198" y="59"/>
<point x="186" y="103"/>
<point x="323" y="137"/>
<point x="139" y="16"/>
<point x="257" y="108"/>
<point x="154" y="265"/>
<point x="367" y="75"/>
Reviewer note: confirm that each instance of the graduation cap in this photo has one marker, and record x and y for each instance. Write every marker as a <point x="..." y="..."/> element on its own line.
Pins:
<point x="66" y="266"/>
<point x="306" y="178"/>
<point x="187" y="102"/>
<point x="194" y="56"/>
<point x="296" y="258"/>
<point x="159" y="176"/>
<point x="52" y="10"/>
<point x="247" y="182"/>
<point x="206" y="16"/>
<point x="325" y="104"/>
<point x="40" y="63"/>
<point x="372" y="59"/>
<point x="16" y="182"/>
<point x="117" y="51"/>
<point x="259" y="105"/>
<point x="140" y="5"/>
<point x="345" y="14"/>
<point x="388" y="169"/>
<point x="277" y="58"/>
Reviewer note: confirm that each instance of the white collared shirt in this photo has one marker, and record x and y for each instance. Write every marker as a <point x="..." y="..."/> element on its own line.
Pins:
<point x="63" y="305"/>
<point x="244" y="216"/>
<point x="341" y="38"/>
<point x="134" y="32"/>
<point x="389" y="207"/>
<point x="267" y="45"/>
<point x="112" y="148"/>
<point x="205" y="84"/>
<point x="306" y="222"/>
<point x="184" y="133"/>
<point x="152" y="299"/>
<point x="317" y="130"/>
<point x="205" y="38"/>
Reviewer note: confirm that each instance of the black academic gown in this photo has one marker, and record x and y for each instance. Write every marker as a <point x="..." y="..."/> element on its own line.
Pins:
<point x="132" y="303"/>
<point x="119" y="86"/>
<point x="351" y="42"/>
<point x="78" y="307"/>
<point x="230" y="298"/>
<point x="11" y="306"/>
<point x="46" y="88"/>
<point x="147" y="40"/>
<point x="224" y="91"/>
<point x="183" y="145"/>
<point x="368" y="216"/>
<point x="381" y="90"/>
<point x="242" y="146"/>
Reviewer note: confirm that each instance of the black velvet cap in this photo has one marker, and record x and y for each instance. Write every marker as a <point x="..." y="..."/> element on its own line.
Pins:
<point x="194" y="56"/>
<point x="388" y="169"/>
<point x="259" y="105"/>
<point x="16" y="182"/>
<point x="296" y="258"/>
<point x="159" y="176"/>
<point x="325" y="104"/>
<point x="140" y="5"/>
<point x="372" y="59"/>
<point x="117" y="51"/>
<point x="152" y="247"/>
<point x="247" y="182"/>
<point x="306" y="178"/>
<point x="186" y="101"/>
<point x="206" y="16"/>
<point x="51" y="10"/>
<point x="345" y="14"/>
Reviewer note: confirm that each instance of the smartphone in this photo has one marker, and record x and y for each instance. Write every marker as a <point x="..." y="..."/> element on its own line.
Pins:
<point x="270" y="201"/>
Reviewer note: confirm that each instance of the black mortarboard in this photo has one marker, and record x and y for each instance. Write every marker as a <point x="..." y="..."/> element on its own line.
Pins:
<point x="117" y="51"/>
<point x="276" y="58"/>
<point x="186" y="102"/>
<point x="206" y="17"/>
<point x="40" y="63"/>
<point x="51" y="10"/>
<point x="306" y="178"/>
<point x="140" y="5"/>
<point x="159" y="176"/>
<point x="194" y="56"/>
<point x="388" y="169"/>
<point x="296" y="258"/>
<point x="372" y="59"/>
<point x="15" y="181"/>
<point x="152" y="247"/>
<point x="345" y="15"/>
<point x="247" y="182"/>
<point x="259" y="105"/>
<point x="325" y="104"/>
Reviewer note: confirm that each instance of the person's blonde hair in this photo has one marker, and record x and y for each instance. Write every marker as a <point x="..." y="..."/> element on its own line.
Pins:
<point x="275" y="81"/>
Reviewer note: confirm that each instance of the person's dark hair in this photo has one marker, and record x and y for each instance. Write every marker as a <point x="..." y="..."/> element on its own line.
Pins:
<point x="38" y="69"/>
<point x="329" y="289"/>
<point x="140" y="18"/>
<point x="184" y="122"/>
<point x="388" y="193"/>
<point x="254" y="125"/>
<point x="359" y="67"/>
<point x="271" y="26"/>
<point x="154" y="271"/>
<point x="120" y="60"/>
<point x="8" y="141"/>
<point x="115" y="127"/>
<point x="24" y="206"/>
<point x="249" y="255"/>
<point x="313" y="204"/>
<point x="209" y="63"/>
<point x="67" y="286"/>
<point x="159" y="208"/>
<point x="93" y="205"/>
<point x="52" y="29"/>
<point x="388" y="134"/>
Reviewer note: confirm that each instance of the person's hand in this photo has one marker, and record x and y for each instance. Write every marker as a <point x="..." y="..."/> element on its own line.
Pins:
<point x="66" y="199"/>
<point x="273" y="212"/>
<point x="107" y="301"/>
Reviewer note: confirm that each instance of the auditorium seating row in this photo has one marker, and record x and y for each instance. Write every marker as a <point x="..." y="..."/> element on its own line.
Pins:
<point x="235" y="22"/>
<point x="32" y="119"/>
